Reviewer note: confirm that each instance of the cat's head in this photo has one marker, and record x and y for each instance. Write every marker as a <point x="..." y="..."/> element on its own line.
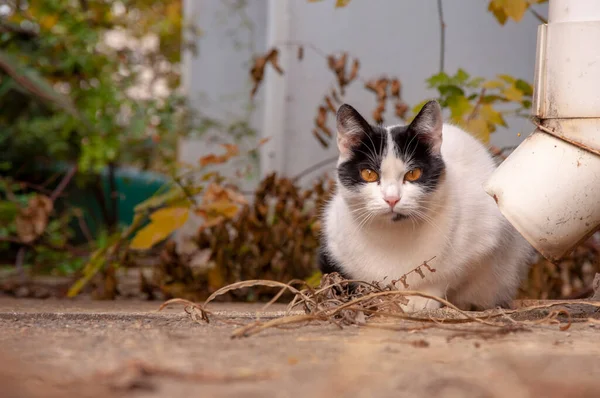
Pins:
<point x="391" y="172"/>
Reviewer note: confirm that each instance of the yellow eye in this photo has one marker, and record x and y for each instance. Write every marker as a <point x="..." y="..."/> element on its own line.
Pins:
<point x="369" y="175"/>
<point x="413" y="175"/>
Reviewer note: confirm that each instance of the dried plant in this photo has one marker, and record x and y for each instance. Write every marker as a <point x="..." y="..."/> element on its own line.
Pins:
<point x="569" y="278"/>
<point x="354" y="302"/>
<point x="275" y="237"/>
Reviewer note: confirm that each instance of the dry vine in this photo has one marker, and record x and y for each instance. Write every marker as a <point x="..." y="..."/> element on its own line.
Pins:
<point x="345" y="302"/>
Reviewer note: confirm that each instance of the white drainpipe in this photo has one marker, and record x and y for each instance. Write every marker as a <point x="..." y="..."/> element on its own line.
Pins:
<point x="549" y="187"/>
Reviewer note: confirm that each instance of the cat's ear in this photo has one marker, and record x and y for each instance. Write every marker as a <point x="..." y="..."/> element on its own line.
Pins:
<point x="351" y="129"/>
<point x="427" y="125"/>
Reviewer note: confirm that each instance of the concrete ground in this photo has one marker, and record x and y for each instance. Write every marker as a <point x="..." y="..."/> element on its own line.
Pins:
<point x="127" y="349"/>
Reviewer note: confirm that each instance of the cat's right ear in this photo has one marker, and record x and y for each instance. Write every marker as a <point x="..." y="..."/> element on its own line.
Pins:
<point x="351" y="129"/>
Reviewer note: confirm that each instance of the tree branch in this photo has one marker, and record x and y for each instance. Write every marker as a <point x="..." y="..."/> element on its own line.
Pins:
<point x="63" y="183"/>
<point x="442" y="35"/>
<point x="314" y="167"/>
<point x="477" y="105"/>
<point x="538" y="16"/>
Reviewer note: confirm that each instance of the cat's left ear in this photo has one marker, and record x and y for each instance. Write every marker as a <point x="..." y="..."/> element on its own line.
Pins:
<point x="427" y="125"/>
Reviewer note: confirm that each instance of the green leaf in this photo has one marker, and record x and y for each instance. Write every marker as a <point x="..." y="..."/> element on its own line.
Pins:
<point x="31" y="81"/>
<point x="8" y="211"/>
<point x="438" y="80"/>
<point x="475" y="82"/>
<point x="459" y="106"/>
<point x="489" y="99"/>
<point x="461" y="76"/>
<point x="524" y="87"/>
<point x="451" y="90"/>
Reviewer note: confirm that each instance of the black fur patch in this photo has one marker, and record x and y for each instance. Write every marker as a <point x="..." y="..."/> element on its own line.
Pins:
<point x="410" y="148"/>
<point x="368" y="154"/>
<point x="327" y="264"/>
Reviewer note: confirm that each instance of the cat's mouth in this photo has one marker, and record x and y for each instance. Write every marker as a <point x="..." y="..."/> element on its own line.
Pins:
<point x="398" y="217"/>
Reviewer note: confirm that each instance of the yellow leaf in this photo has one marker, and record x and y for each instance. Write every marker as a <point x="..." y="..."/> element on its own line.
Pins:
<point x="492" y="84"/>
<point x="515" y="9"/>
<point x="491" y="115"/>
<point x="222" y="207"/>
<point x="341" y="3"/>
<point x="513" y="94"/>
<point x="497" y="9"/>
<point x="48" y="21"/>
<point x="479" y="129"/>
<point x="162" y="223"/>
<point x="507" y="78"/>
<point x="215" y="278"/>
<point x="503" y="9"/>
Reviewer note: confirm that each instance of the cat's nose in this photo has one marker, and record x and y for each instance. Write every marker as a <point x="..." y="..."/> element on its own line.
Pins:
<point x="392" y="200"/>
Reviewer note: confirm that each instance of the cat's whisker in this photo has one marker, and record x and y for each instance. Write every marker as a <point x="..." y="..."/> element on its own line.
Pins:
<point x="363" y="222"/>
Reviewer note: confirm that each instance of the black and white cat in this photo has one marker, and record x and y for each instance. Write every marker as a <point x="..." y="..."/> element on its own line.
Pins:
<point x="406" y="194"/>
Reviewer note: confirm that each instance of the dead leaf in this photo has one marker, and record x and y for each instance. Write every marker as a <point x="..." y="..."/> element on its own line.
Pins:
<point x="32" y="220"/>
<point x="231" y="150"/>
<point x="211" y="159"/>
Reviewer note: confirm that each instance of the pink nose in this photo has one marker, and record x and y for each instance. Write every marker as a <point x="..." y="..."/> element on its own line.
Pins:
<point x="392" y="200"/>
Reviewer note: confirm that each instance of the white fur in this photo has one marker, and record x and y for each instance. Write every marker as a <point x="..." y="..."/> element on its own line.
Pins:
<point x="480" y="258"/>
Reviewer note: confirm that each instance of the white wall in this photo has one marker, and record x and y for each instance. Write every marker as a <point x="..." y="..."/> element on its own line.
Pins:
<point x="216" y="80"/>
<point x="393" y="37"/>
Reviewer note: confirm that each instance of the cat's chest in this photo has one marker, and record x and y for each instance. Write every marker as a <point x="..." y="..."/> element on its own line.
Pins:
<point x="375" y="254"/>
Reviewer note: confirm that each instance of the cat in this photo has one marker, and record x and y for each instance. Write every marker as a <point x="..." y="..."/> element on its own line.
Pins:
<point x="408" y="194"/>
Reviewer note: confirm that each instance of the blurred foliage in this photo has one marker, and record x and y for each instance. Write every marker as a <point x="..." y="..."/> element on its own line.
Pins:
<point x="569" y="278"/>
<point x="91" y="84"/>
<point x="66" y="44"/>
<point x="201" y="190"/>
<point x="25" y="219"/>
<point x="473" y="102"/>
<point x="274" y="237"/>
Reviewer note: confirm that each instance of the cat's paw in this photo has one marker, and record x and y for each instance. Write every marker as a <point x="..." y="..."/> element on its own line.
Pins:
<point x="417" y="303"/>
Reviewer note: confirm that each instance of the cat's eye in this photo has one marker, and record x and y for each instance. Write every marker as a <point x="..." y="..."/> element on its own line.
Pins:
<point x="369" y="175"/>
<point x="413" y="175"/>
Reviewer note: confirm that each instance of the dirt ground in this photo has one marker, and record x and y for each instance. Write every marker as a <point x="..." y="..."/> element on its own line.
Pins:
<point x="128" y="349"/>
